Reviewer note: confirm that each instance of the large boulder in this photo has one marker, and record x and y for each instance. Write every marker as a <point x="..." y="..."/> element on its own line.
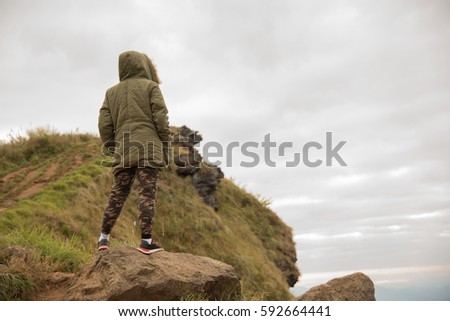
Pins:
<point x="123" y="273"/>
<point x="353" y="287"/>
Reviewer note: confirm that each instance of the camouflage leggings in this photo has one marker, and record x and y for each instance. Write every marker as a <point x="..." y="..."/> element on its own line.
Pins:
<point x="123" y="180"/>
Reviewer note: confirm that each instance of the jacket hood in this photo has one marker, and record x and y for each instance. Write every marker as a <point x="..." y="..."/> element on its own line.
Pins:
<point x="133" y="64"/>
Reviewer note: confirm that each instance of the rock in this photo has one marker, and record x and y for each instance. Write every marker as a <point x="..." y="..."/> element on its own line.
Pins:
<point x="188" y="135"/>
<point x="290" y="271"/>
<point x="205" y="177"/>
<point x="16" y="252"/>
<point x="58" y="278"/>
<point x="353" y="287"/>
<point x="206" y="181"/>
<point x="16" y="258"/>
<point x="123" y="273"/>
<point x="187" y="164"/>
<point x="3" y="268"/>
<point x="53" y="286"/>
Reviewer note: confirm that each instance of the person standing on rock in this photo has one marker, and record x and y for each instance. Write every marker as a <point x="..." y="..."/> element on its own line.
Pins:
<point x="134" y="126"/>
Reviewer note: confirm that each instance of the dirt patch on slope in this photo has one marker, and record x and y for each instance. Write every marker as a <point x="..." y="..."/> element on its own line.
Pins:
<point x="15" y="188"/>
<point x="12" y="175"/>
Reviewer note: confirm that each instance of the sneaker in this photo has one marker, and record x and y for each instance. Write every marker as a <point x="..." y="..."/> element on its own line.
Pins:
<point x="147" y="248"/>
<point x="103" y="244"/>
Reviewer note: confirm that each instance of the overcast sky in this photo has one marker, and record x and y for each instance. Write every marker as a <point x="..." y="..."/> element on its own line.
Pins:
<point x="374" y="73"/>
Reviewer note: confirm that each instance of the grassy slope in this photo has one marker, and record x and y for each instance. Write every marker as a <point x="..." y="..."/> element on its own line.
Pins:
<point x="60" y="225"/>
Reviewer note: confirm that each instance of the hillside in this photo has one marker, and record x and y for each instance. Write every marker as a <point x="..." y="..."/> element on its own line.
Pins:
<point x="52" y="195"/>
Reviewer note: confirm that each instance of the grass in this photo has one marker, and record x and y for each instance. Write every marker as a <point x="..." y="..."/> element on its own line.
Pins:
<point x="230" y="295"/>
<point x="15" y="286"/>
<point x="59" y="253"/>
<point x="36" y="145"/>
<point x="61" y="223"/>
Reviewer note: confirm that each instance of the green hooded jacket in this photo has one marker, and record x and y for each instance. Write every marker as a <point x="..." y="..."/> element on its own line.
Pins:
<point x="133" y="117"/>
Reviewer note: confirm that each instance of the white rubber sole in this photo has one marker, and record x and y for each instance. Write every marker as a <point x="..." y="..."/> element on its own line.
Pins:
<point x="145" y="251"/>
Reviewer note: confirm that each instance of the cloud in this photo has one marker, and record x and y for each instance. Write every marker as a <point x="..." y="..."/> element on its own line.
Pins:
<point x="295" y="201"/>
<point x="394" y="227"/>
<point x="348" y="179"/>
<point x="318" y="237"/>
<point x="382" y="276"/>
<point x="309" y="236"/>
<point x="425" y="215"/>
<point x="400" y="171"/>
